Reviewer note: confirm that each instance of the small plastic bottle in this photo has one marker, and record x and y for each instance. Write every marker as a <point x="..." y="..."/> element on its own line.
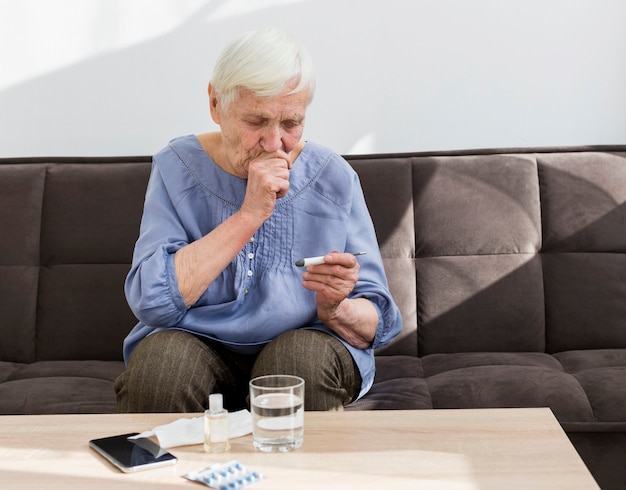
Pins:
<point x="216" y="426"/>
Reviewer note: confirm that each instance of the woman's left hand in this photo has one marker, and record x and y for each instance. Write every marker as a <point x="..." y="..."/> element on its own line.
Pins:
<point x="355" y="320"/>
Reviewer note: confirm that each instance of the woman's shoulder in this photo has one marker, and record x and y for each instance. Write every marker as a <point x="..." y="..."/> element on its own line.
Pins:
<point x="184" y="164"/>
<point x="325" y="172"/>
<point x="183" y="154"/>
<point x="325" y="161"/>
<point x="183" y="148"/>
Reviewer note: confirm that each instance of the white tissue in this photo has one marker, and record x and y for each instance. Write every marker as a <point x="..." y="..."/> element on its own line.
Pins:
<point x="183" y="432"/>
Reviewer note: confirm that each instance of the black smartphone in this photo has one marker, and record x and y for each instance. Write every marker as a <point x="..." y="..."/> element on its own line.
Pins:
<point x="132" y="454"/>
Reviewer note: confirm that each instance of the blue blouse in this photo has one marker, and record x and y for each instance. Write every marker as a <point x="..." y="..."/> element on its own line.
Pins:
<point x="260" y="294"/>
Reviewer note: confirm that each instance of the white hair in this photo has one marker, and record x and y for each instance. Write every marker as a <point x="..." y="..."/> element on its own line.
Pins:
<point x="262" y="61"/>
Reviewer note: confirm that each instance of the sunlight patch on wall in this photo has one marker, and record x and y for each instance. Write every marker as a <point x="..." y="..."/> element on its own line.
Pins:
<point x="239" y="7"/>
<point x="53" y="35"/>
<point x="365" y="144"/>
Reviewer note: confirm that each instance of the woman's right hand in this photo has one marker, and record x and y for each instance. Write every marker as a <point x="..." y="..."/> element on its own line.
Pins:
<point x="268" y="180"/>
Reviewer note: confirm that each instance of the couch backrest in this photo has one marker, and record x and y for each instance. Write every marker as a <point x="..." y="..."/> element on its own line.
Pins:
<point x="514" y="250"/>
<point x="499" y="250"/>
<point x="68" y="231"/>
<point x="387" y="182"/>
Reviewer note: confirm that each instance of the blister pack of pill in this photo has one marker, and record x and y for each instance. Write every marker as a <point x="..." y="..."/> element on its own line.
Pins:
<point x="225" y="476"/>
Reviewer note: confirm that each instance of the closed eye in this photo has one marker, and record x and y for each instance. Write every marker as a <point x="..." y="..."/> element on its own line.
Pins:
<point x="291" y="124"/>
<point x="256" y="123"/>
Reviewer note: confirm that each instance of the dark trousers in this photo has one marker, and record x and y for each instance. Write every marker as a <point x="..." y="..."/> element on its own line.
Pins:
<point x="175" y="371"/>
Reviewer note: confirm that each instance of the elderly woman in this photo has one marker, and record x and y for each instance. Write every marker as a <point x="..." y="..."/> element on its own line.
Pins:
<point x="227" y="214"/>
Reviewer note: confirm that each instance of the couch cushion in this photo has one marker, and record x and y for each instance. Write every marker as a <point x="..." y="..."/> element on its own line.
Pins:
<point x="91" y="219"/>
<point x="478" y="234"/>
<point x="476" y="205"/>
<point x="441" y="363"/>
<point x="21" y="188"/>
<point x="602" y="374"/>
<point x="583" y="201"/>
<point x="92" y="212"/>
<point x="500" y="380"/>
<point x="480" y="303"/>
<point x="7" y="369"/>
<point x="583" y="205"/>
<point x="392" y="214"/>
<point x="85" y="299"/>
<point x="399" y="385"/>
<point x="402" y="285"/>
<point x="59" y="387"/>
<point x="18" y="290"/>
<point x="585" y="306"/>
<point x="575" y="385"/>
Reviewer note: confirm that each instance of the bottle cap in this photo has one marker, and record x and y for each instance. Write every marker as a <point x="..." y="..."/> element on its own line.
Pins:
<point x="216" y="403"/>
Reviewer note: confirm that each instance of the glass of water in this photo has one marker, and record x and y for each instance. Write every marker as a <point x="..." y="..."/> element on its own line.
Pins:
<point x="277" y="405"/>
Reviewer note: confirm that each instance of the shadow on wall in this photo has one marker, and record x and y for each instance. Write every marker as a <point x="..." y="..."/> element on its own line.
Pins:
<point x="134" y="100"/>
<point x="403" y="77"/>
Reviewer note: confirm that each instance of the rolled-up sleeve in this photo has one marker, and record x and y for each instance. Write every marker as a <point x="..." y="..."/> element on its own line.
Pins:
<point x="151" y="288"/>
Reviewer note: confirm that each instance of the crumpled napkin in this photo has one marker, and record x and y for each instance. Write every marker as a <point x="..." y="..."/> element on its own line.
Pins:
<point x="183" y="432"/>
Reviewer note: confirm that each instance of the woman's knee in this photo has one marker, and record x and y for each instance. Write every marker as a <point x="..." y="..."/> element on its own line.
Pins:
<point x="167" y="372"/>
<point x="168" y="351"/>
<point x="331" y="376"/>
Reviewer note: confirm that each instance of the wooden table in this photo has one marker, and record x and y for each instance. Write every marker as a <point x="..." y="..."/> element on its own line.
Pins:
<point x="452" y="449"/>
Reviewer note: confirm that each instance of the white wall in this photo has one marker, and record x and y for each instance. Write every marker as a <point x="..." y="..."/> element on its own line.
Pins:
<point x="121" y="77"/>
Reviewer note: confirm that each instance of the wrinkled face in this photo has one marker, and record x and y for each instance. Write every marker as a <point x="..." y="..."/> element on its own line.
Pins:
<point x="251" y="126"/>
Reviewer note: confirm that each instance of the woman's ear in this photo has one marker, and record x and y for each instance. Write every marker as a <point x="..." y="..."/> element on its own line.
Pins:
<point x="214" y="105"/>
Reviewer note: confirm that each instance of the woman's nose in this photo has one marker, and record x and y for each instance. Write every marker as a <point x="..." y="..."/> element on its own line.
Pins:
<point x="272" y="139"/>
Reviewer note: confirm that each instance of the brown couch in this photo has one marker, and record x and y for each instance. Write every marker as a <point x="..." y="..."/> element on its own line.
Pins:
<point x="509" y="267"/>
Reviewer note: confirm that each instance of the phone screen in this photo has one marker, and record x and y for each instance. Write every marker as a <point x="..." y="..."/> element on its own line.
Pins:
<point x="132" y="454"/>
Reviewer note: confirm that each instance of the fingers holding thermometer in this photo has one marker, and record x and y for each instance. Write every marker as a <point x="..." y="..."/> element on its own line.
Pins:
<point x="332" y="277"/>
<point x="318" y="260"/>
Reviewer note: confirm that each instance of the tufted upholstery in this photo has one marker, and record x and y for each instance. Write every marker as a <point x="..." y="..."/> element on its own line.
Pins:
<point x="68" y="229"/>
